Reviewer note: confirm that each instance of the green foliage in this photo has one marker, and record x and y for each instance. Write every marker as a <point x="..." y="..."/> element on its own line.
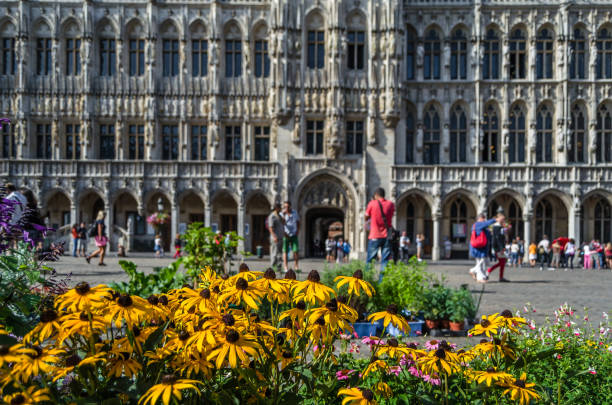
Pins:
<point x="160" y="281"/>
<point x="460" y="305"/>
<point x="362" y="304"/>
<point x="405" y="285"/>
<point x="206" y="248"/>
<point x="435" y="302"/>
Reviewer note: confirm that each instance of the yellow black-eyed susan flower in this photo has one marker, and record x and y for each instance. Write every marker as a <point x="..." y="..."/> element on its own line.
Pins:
<point x="129" y="308"/>
<point x="242" y="292"/>
<point x="201" y="299"/>
<point x="345" y="309"/>
<point x="394" y="349"/>
<point x="170" y="387"/>
<point x="355" y="284"/>
<point x="122" y="363"/>
<point x="441" y="360"/>
<point x="83" y="297"/>
<point x="82" y="323"/>
<point x="192" y="364"/>
<point x="488" y="325"/>
<point x="375" y="365"/>
<point x="296" y="314"/>
<point x="489" y="376"/>
<point x="312" y="290"/>
<point x="391" y="316"/>
<point x="519" y="389"/>
<point x="14" y="353"/>
<point x="36" y="362"/>
<point x="357" y="396"/>
<point x="234" y="347"/>
<point x="508" y="320"/>
<point x="382" y="389"/>
<point x="47" y="327"/>
<point x="31" y="395"/>
<point x="496" y="345"/>
<point x="332" y="316"/>
<point x="73" y="361"/>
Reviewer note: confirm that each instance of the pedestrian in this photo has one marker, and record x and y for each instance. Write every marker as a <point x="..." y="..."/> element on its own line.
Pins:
<point x="498" y="244"/>
<point x="329" y="247"/>
<point x="404" y="246"/>
<point x="593" y="248"/>
<point x="419" y="243"/>
<point x="608" y="253"/>
<point x="340" y="250"/>
<point x="545" y="255"/>
<point x="586" y="256"/>
<point x="395" y="246"/>
<point x="533" y="254"/>
<point x="346" y="247"/>
<point x="290" y="241"/>
<point x="157" y="246"/>
<point x="18" y="201"/>
<point x="380" y="214"/>
<point x="521" y="251"/>
<point x="600" y="254"/>
<point x="479" y="241"/>
<point x="570" y="251"/>
<point x="447" y="248"/>
<point x="121" y="246"/>
<point x="556" y="255"/>
<point x="514" y="253"/>
<point x="99" y="233"/>
<point x="177" y="246"/>
<point x="82" y="239"/>
<point x="75" y="239"/>
<point x="276" y="229"/>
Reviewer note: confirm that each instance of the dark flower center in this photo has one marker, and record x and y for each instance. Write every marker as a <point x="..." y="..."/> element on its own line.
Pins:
<point x="125" y="301"/>
<point x="433" y="342"/>
<point x="287" y="355"/>
<point x="270" y="274"/>
<point x="224" y="276"/>
<point x="314" y="276"/>
<point x="280" y="339"/>
<point x="124" y="355"/>
<point x="163" y="300"/>
<point x="441" y="353"/>
<point x="392" y="309"/>
<point x="490" y="370"/>
<point x="342" y="299"/>
<point x="290" y="275"/>
<point x="485" y="323"/>
<point x="115" y="295"/>
<point x="412" y="345"/>
<point x="168" y="379"/>
<point x="4" y="350"/>
<point x="153" y="299"/>
<point x="444" y="344"/>
<point x="243" y="268"/>
<point x="460" y="351"/>
<point x="183" y="335"/>
<point x="520" y="383"/>
<point x="367" y="394"/>
<point x="483" y="340"/>
<point x="216" y="289"/>
<point x="242" y="284"/>
<point x="82" y="288"/>
<point x="205" y="293"/>
<point x="84" y="316"/>
<point x="301" y="305"/>
<point x="38" y="350"/>
<point x="506" y="313"/>
<point x="393" y="342"/>
<point x="48" y="316"/>
<point x="320" y="321"/>
<point x="228" y="319"/>
<point x="232" y="336"/>
<point x="136" y="331"/>
<point x="73" y="361"/>
<point x="332" y="305"/>
<point x="358" y="274"/>
<point x="497" y="342"/>
<point x="18" y="399"/>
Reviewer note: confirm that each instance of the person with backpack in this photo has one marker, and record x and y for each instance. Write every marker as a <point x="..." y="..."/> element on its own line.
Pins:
<point x="346" y="247"/>
<point x="379" y="213"/>
<point x="478" y="245"/>
<point x="82" y="239"/>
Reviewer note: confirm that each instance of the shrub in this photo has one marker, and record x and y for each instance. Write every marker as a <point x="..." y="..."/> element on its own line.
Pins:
<point x="162" y="280"/>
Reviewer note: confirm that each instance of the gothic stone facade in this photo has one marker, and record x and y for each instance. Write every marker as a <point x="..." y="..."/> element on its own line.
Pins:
<point x="218" y="108"/>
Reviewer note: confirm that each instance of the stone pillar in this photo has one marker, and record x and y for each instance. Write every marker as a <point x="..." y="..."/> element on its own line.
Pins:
<point x="527" y="232"/>
<point x="240" y="224"/>
<point x="174" y="217"/>
<point x="435" y="251"/>
<point x="208" y="213"/>
<point x="110" y="222"/>
<point x="74" y="212"/>
<point x="574" y="221"/>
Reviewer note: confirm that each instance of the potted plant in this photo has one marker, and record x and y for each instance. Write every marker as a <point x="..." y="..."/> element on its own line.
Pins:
<point x="460" y="306"/>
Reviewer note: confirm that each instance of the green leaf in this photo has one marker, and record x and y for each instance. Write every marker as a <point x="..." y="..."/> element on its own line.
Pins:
<point x="154" y="338"/>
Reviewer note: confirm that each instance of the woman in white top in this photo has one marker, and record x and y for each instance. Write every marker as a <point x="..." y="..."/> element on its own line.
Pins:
<point x="570" y="251"/>
<point x="587" y="256"/>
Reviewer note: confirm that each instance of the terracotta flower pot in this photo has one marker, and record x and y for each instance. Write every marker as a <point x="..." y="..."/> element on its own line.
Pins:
<point x="431" y="324"/>
<point x="456" y="326"/>
<point x="444" y="323"/>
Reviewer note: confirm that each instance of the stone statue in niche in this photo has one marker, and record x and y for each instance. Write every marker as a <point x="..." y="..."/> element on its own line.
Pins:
<point x="447" y="53"/>
<point x="593" y="54"/>
<point x="420" y="54"/>
<point x="560" y="135"/>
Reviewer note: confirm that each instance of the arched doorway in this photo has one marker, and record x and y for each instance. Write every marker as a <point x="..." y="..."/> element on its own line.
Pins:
<point x="257" y="211"/>
<point x="513" y="212"/>
<point x="597" y="218"/>
<point x="91" y="203"/>
<point x="414" y="217"/>
<point x="458" y="215"/>
<point x="57" y="210"/>
<point x="323" y="200"/>
<point x="224" y="212"/>
<point x="191" y="209"/>
<point x="550" y="217"/>
<point x="158" y="202"/>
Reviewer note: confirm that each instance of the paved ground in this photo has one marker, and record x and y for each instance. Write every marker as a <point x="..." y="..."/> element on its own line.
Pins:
<point x="544" y="290"/>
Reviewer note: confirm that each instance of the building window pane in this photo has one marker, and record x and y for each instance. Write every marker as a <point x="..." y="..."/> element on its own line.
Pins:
<point x="490" y="134"/>
<point x="199" y="57"/>
<point x="9" y="146"/>
<point x="458" y="62"/>
<point x="411" y="45"/>
<point x="410" y="133"/>
<point x="603" y="221"/>
<point x="233" y="58"/>
<point x="544" y="55"/>
<point x="136" y="142"/>
<point x="108" y="55"/>
<point x="458" y="218"/>
<point x="170" y="142"/>
<point x="431" y="137"/>
<point x="577" y="60"/>
<point x="431" y="68"/>
<point x="8" y="63"/>
<point x="73" y="57"/>
<point x="314" y="137"/>
<point x="516" y="142"/>
<point x="198" y="142"/>
<point x="518" y="55"/>
<point x="107" y="142"/>
<point x="491" y="58"/>
<point x="73" y="141"/>
<point x="603" y="141"/>
<point x="170" y="56"/>
<point x="544" y="128"/>
<point x="43" y="56"/>
<point x="43" y="141"/>
<point x="356" y="50"/>
<point x="233" y="143"/>
<point x="544" y="219"/>
<point x="575" y="151"/>
<point x="136" y="51"/>
<point x="262" y="143"/>
<point x="458" y="135"/>
<point x="316" y="49"/>
<point x="262" y="60"/>
<point x="354" y="137"/>
<point x="604" y="54"/>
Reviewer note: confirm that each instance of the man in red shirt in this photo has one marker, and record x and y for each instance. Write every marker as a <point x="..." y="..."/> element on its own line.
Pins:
<point x="380" y="213"/>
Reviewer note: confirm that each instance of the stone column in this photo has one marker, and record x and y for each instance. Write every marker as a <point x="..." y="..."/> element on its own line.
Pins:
<point x="527" y="232"/>
<point x="574" y="221"/>
<point x="74" y="212"/>
<point x="110" y="223"/>
<point x="435" y="251"/>
<point x="240" y="224"/>
<point x="174" y="213"/>
<point x="208" y="213"/>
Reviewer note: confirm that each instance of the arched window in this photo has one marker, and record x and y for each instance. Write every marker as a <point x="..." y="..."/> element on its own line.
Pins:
<point x="515" y="217"/>
<point x="411" y="46"/>
<point x="431" y="136"/>
<point x="544" y="56"/>
<point x="543" y="219"/>
<point x="604" y="54"/>
<point x="518" y="54"/>
<point x="316" y="42"/>
<point x="575" y="150"/>
<point x="8" y="146"/>
<point x="170" y="50"/>
<point x="199" y="50"/>
<point x="431" y="66"/>
<point x="604" y="134"/>
<point x="602" y="221"/>
<point x="136" y="48"/>
<point x="410" y="220"/>
<point x="458" y="221"/>
<point x="72" y="48"/>
<point x="458" y="62"/>
<point x="356" y="42"/>
<point x="410" y="133"/>
<point x="516" y="141"/>
<point x="491" y="58"/>
<point x="458" y="135"/>
<point x="544" y="138"/>
<point x="577" y="61"/>
<point x="43" y="49"/>
<point x="490" y="141"/>
<point x="262" y="60"/>
<point x="8" y="64"/>
<point x="233" y="51"/>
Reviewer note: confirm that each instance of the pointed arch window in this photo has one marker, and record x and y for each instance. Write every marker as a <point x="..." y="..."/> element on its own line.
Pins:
<point x="515" y="217"/>
<point x="431" y="136"/>
<point x="490" y="141"/>
<point x="316" y="49"/>
<point x="491" y="58"/>
<point x="411" y="46"/>
<point x="604" y="54"/>
<point x="73" y="56"/>
<point x="458" y="220"/>
<point x="544" y="55"/>
<point x="518" y="54"/>
<point x="432" y="44"/>
<point x="43" y="56"/>
<point x="458" y="135"/>
<point x="575" y="150"/>
<point x="516" y="141"/>
<point x="410" y="133"/>
<point x="8" y="63"/>
<point x="544" y="138"/>
<point x="544" y="219"/>
<point x="577" y="60"/>
<point x="603" y="221"/>
<point x="8" y="146"/>
<point x="458" y="62"/>
<point x="604" y="134"/>
<point x="356" y="50"/>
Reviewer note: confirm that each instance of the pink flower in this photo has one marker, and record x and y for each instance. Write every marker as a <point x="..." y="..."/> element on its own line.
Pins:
<point x="592" y="371"/>
<point x="431" y="380"/>
<point x="432" y="344"/>
<point x="344" y="374"/>
<point x="415" y="371"/>
<point x="354" y="348"/>
<point x="372" y="340"/>
<point x="395" y="370"/>
<point x="559" y="357"/>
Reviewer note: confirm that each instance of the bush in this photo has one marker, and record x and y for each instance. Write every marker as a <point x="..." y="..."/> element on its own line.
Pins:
<point x="460" y="305"/>
<point x="162" y="280"/>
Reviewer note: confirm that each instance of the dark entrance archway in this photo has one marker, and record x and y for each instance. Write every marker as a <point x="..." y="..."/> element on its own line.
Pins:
<point x="321" y="222"/>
